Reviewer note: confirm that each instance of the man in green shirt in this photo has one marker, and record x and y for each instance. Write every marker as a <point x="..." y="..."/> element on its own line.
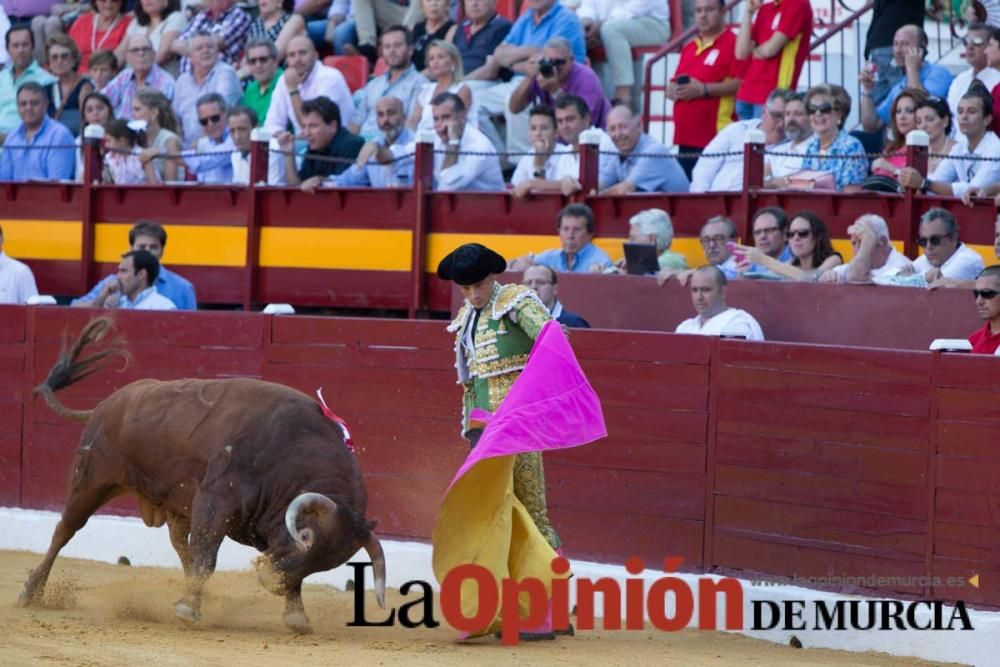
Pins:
<point x="262" y="56"/>
<point x="20" y="44"/>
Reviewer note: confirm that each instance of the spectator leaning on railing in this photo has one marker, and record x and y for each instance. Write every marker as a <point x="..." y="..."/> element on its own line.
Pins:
<point x="542" y="165"/>
<point x="578" y="254"/>
<point x="39" y="149"/>
<point x="327" y="138"/>
<point x="212" y="162"/>
<point x="785" y="159"/>
<point x="973" y="161"/>
<point x="720" y="167"/>
<point x="945" y="256"/>
<point x="811" y="251"/>
<point x="643" y="164"/>
<point x="366" y="171"/>
<point x="833" y="149"/>
<point x="242" y="121"/>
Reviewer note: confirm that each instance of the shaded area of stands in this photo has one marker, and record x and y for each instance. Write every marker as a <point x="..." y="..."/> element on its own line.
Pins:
<point x="781" y="459"/>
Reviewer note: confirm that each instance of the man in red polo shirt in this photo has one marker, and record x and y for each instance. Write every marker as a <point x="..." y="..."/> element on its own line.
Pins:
<point x="777" y="44"/>
<point x="707" y="77"/>
<point x="987" y="339"/>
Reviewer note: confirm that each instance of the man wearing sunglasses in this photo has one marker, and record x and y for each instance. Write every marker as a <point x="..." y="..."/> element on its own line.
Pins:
<point x="212" y="162"/>
<point x="979" y="68"/>
<point x="142" y="72"/>
<point x="945" y="256"/>
<point x="987" y="295"/>
<point x="262" y="57"/>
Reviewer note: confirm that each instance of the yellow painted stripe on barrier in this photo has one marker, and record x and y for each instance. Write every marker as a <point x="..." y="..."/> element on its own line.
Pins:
<point x="987" y="252"/>
<point x="192" y="245"/>
<point x="357" y="249"/>
<point x="42" y="239"/>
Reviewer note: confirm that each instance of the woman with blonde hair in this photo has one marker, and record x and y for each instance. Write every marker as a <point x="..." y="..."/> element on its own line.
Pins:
<point x="161" y="132"/>
<point x="444" y="68"/>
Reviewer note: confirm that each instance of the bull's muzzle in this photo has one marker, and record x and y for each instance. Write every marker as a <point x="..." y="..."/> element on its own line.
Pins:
<point x="270" y="579"/>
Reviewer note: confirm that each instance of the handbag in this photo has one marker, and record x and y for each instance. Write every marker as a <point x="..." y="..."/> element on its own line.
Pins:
<point x="812" y="180"/>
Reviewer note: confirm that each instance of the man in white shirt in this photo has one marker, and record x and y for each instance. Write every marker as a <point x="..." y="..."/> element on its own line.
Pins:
<point x="957" y="173"/>
<point x="464" y="158"/>
<point x="722" y="174"/>
<point x="945" y="256"/>
<point x="798" y="132"/>
<point x="242" y="121"/>
<point x="533" y="170"/>
<point x="135" y="285"/>
<point x="976" y="40"/>
<point x="875" y="259"/>
<point x="563" y="175"/>
<point x="305" y="78"/>
<point x="715" y="318"/>
<point x="17" y="282"/>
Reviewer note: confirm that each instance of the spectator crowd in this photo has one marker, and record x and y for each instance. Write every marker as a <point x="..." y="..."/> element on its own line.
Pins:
<point x="177" y="91"/>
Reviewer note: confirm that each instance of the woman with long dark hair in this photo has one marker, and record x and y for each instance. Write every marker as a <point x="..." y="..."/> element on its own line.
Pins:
<point x="812" y="250"/>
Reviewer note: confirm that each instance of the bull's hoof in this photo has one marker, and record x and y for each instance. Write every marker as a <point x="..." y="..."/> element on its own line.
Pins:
<point x="26" y="598"/>
<point x="187" y="613"/>
<point x="298" y="623"/>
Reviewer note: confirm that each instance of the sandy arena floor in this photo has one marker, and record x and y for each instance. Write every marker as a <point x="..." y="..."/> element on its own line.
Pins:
<point x="100" y="614"/>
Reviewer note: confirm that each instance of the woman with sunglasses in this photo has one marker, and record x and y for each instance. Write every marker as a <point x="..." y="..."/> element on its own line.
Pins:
<point x="902" y="121"/>
<point x="162" y="21"/>
<point x="812" y="251"/>
<point x="63" y="60"/>
<point x="102" y="28"/>
<point x="832" y="149"/>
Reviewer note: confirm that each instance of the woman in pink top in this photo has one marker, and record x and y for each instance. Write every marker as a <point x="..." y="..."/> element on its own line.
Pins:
<point x="902" y="120"/>
<point x="103" y="28"/>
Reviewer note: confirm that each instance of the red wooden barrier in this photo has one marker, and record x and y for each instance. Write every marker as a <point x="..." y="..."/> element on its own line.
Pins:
<point x="782" y="459"/>
<point x="374" y="249"/>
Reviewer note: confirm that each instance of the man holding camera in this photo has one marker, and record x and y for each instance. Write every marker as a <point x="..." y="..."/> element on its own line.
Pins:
<point x="555" y="74"/>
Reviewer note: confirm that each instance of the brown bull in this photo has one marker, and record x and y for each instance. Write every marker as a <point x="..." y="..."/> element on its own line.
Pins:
<point x="245" y="458"/>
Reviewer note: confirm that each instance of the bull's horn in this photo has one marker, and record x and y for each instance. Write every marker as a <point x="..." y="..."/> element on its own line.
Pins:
<point x="296" y="506"/>
<point x="374" y="549"/>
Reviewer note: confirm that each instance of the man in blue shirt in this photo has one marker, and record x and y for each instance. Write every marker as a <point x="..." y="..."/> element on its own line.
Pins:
<point x="367" y="172"/>
<point x="40" y="149"/>
<point x="151" y="237"/>
<point x="578" y="254"/>
<point x="212" y="162"/>
<point x="909" y="49"/>
<point x="636" y="168"/>
<point x="520" y="53"/>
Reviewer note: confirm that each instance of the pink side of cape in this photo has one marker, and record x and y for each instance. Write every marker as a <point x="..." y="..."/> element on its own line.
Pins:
<point x="551" y="405"/>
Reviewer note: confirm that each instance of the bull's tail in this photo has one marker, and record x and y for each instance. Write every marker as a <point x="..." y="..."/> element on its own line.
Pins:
<point x="70" y="369"/>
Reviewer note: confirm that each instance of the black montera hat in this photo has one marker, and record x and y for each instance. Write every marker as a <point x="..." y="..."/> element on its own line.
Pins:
<point x="470" y="263"/>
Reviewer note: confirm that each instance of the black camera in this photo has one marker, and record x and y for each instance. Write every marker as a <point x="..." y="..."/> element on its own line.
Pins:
<point x="547" y="68"/>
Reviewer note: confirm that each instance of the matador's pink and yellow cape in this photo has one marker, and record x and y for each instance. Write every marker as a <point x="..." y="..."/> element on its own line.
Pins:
<point x="550" y="406"/>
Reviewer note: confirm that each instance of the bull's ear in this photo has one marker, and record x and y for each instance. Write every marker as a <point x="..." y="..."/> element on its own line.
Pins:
<point x="307" y="537"/>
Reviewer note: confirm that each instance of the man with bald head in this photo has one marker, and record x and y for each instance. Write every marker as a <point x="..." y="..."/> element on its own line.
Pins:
<point x="366" y="171"/>
<point x="644" y="164"/>
<point x="715" y="317"/>
<point x="141" y="72"/>
<point x="305" y="78"/>
<point x="909" y="52"/>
